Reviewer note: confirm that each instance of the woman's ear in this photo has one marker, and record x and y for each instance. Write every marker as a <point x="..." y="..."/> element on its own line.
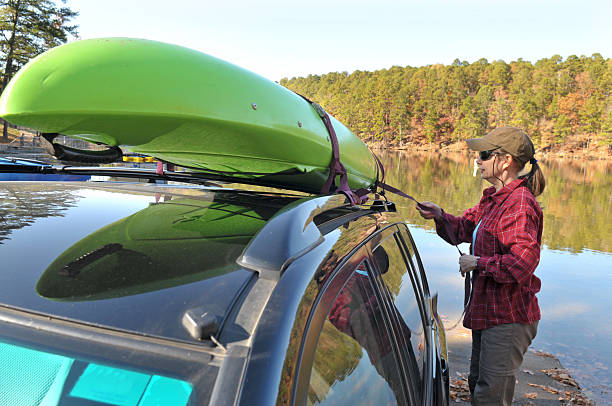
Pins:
<point x="512" y="163"/>
<point x="507" y="161"/>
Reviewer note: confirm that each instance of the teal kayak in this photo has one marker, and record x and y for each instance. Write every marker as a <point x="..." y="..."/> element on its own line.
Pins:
<point x="184" y="107"/>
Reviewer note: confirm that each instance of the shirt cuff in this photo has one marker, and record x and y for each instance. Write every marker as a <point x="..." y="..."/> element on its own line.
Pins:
<point x="481" y="266"/>
<point x="441" y="219"/>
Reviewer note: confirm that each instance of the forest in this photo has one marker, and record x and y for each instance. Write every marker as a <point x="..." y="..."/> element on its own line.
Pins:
<point x="561" y="103"/>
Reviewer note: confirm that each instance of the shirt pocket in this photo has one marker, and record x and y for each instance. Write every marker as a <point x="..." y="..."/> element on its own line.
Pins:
<point x="487" y="242"/>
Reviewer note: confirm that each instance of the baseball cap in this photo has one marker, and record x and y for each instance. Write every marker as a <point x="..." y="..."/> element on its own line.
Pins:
<point x="511" y="139"/>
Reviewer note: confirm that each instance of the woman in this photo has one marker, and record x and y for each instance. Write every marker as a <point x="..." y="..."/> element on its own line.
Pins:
<point x="505" y="232"/>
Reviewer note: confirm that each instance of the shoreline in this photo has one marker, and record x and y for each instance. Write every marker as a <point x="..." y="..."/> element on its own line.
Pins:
<point x="596" y="153"/>
<point x="541" y="380"/>
<point x="550" y="151"/>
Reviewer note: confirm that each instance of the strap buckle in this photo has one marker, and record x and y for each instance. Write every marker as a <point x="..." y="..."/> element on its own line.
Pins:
<point x="320" y="110"/>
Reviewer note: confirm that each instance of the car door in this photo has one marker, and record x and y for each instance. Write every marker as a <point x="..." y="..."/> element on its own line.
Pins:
<point x="439" y="366"/>
<point x="350" y="354"/>
<point x="404" y="290"/>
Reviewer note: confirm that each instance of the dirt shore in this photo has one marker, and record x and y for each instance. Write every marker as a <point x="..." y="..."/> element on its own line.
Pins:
<point x="542" y="381"/>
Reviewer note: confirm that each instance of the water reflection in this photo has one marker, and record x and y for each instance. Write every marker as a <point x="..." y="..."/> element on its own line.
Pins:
<point x="167" y="244"/>
<point x="575" y="266"/>
<point x="577" y="201"/>
<point x="355" y="362"/>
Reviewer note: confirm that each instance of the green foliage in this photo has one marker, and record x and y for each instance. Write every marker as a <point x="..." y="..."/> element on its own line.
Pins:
<point x="430" y="125"/>
<point x="553" y="99"/>
<point x="590" y="115"/>
<point x="337" y="355"/>
<point x="28" y="28"/>
<point x="562" y="128"/>
<point x="606" y="128"/>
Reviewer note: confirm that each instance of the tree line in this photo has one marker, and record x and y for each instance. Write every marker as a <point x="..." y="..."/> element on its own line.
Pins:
<point x="555" y="100"/>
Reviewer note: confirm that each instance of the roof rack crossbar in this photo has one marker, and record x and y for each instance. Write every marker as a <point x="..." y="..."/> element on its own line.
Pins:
<point x="179" y="176"/>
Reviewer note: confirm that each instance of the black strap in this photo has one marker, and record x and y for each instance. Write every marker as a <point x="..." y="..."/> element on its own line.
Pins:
<point x="398" y="192"/>
<point x="335" y="166"/>
<point x="63" y="153"/>
<point x="380" y="182"/>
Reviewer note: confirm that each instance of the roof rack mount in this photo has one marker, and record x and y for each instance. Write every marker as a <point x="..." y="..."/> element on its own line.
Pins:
<point x="292" y="232"/>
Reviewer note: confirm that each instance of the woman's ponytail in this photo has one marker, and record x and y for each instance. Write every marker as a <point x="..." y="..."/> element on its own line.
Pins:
<point x="535" y="178"/>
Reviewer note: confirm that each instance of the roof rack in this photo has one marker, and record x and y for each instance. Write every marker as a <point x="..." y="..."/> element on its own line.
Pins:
<point x="46" y="169"/>
<point x="202" y="178"/>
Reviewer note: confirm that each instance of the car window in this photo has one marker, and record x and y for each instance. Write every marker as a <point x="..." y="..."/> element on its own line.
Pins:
<point x="405" y="293"/>
<point x="355" y="362"/>
<point x="413" y="257"/>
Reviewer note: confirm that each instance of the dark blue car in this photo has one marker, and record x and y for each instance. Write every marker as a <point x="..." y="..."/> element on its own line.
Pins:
<point x="179" y="294"/>
<point x="22" y="169"/>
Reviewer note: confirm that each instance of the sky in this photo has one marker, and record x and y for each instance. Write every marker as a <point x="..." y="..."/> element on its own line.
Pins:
<point x="279" y="39"/>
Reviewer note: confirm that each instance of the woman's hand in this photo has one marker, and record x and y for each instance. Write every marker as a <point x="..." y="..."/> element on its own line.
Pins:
<point x="429" y="210"/>
<point x="467" y="263"/>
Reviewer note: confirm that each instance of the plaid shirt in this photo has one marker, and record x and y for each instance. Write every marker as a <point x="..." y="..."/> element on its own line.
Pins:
<point x="508" y="244"/>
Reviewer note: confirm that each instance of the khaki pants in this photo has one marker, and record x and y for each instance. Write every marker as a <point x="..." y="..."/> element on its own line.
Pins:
<point x="497" y="354"/>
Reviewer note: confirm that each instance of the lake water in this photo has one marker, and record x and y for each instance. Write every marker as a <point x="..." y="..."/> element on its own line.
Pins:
<point x="576" y="259"/>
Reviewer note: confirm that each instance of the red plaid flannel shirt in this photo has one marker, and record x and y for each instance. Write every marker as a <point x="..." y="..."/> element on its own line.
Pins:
<point x="508" y="244"/>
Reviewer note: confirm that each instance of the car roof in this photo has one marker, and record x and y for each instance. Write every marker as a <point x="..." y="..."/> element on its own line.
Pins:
<point x="133" y="257"/>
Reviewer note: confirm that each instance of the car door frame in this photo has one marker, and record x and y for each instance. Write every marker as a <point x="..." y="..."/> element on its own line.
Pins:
<point x="417" y="273"/>
<point x="439" y="357"/>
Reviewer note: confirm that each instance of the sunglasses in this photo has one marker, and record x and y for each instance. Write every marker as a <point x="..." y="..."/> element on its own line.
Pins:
<point x="485" y="155"/>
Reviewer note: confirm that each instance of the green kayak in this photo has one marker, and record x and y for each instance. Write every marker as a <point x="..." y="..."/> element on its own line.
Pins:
<point x="184" y="107"/>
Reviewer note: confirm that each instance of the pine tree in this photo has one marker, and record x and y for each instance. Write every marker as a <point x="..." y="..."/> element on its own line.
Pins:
<point x="552" y="99"/>
<point x="28" y="28"/>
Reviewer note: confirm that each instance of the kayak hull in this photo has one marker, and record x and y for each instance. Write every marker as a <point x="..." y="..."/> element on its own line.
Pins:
<point x="184" y="107"/>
